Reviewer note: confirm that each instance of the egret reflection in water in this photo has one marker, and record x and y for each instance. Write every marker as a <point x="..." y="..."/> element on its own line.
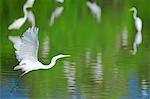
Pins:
<point x="98" y="69"/>
<point x="27" y="52"/>
<point x="46" y="47"/>
<point x="124" y="38"/>
<point x="69" y="72"/>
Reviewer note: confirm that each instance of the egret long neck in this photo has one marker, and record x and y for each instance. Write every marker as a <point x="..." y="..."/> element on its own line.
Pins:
<point x="134" y="13"/>
<point x="25" y="11"/>
<point x="52" y="63"/>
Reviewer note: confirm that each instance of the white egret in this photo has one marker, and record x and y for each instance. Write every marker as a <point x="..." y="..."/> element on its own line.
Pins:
<point x="137" y="20"/>
<point x="138" y="25"/>
<point x="60" y="1"/>
<point x="55" y="14"/>
<point x="19" y="22"/>
<point x="27" y="52"/>
<point x="137" y="41"/>
<point x="31" y="18"/>
<point x="95" y="10"/>
<point x="29" y="3"/>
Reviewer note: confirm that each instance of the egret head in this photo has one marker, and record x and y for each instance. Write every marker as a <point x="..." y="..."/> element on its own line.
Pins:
<point x="59" y="56"/>
<point x="62" y="56"/>
<point x="132" y="9"/>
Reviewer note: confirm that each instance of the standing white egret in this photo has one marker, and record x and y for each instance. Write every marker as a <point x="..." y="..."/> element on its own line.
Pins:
<point x="95" y="10"/>
<point x="27" y="52"/>
<point x="55" y="14"/>
<point x="31" y="18"/>
<point x="19" y="22"/>
<point x="138" y="25"/>
<point x="137" y="20"/>
<point x="60" y="1"/>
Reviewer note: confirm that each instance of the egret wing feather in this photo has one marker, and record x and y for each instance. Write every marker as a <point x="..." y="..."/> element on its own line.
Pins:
<point x="27" y="46"/>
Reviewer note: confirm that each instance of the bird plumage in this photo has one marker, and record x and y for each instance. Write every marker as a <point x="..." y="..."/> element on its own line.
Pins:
<point x="19" y="22"/>
<point x="137" y="20"/>
<point x="95" y="10"/>
<point x="31" y="18"/>
<point x="27" y="52"/>
<point x="57" y="12"/>
<point x="138" y="26"/>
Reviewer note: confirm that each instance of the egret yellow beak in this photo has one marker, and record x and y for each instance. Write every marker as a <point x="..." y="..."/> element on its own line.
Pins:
<point x="66" y="55"/>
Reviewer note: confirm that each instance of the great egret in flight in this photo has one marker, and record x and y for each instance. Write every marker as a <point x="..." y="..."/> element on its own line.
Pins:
<point x="19" y="22"/>
<point x="137" y="20"/>
<point x="95" y="10"/>
<point x="27" y="52"/>
<point x="138" y="25"/>
<point x="55" y="14"/>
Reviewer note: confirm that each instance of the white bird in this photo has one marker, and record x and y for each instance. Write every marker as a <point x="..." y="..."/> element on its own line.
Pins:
<point x="137" y="20"/>
<point x="19" y="22"/>
<point x="29" y="3"/>
<point x="137" y="41"/>
<point x="138" y="25"/>
<point x="60" y="1"/>
<point x="31" y="18"/>
<point x="55" y="14"/>
<point x="27" y="52"/>
<point x="95" y="10"/>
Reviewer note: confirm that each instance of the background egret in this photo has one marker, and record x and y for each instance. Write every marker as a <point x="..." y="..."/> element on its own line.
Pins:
<point x="137" y="20"/>
<point x="95" y="10"/>
<point x="55" y="14"/>
<point x="19" y="22"/>
<point x="27" y="50"/>
<point x="31" y="18"/>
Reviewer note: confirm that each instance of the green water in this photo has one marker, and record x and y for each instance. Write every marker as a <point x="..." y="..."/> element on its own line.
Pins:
<point x="99" y="67"/>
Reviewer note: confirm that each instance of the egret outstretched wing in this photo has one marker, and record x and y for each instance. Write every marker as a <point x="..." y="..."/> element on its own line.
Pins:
<point x="27" y="46"/>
